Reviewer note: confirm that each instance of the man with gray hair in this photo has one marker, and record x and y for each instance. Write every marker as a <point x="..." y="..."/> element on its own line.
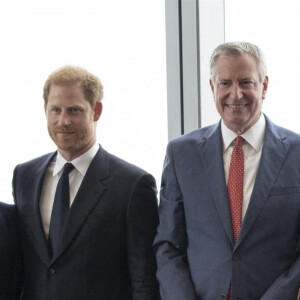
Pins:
<point x="230" y="195"/>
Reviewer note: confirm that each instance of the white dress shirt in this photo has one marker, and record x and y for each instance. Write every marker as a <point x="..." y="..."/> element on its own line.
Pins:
<point x="52" y="177"/>
<point x="252" y="148"/>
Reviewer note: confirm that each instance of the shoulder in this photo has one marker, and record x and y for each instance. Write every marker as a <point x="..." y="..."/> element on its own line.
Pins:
<point x="193" y="138"/>
<point x="198" y="135"/>
<point x="122" y="169"/>
<point x="121" y="178"/>
<point x="27" y="169"/>
<point x="37" y="161"/>
<point x="117" y="163"/>
<point x="281" y="133"/>
<point x="7" y="212"/>
<point x="8" y="223"/>
<point x="26" y="173"/>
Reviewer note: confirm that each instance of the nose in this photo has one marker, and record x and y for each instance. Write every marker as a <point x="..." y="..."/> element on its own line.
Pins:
<point x="236" y="92"/>
<point x="64" y="119"/>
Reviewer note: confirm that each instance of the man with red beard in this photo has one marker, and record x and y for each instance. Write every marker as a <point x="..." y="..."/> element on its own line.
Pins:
<point x="230" y="196"/>
<point x="87" y="218"/>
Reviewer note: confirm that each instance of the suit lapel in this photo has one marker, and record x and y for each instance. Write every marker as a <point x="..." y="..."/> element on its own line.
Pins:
<point x="35" y="223"/>
<point x="273" y="154"/>
<point x="212" y="155"/>
<point x="88" y="195"/>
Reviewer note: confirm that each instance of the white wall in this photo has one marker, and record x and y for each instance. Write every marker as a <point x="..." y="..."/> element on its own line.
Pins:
<point x="123" y="42"/>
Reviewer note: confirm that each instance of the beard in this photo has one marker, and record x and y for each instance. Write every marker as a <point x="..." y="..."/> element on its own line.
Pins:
<point x="74" y="143"/>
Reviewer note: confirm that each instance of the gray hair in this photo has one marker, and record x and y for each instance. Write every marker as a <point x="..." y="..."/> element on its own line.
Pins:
<point x="237" y="49"/>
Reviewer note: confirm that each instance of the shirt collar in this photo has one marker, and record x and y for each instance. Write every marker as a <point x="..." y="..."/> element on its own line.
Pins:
<point x="254" y="135"/>
<point x="81" y="163"/>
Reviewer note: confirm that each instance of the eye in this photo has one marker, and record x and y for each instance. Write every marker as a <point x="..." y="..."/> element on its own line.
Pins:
<point x="55" y="109"/>
<point x="224" y="83"/>
<point x="247" y="82"/>
<point x="74" y="110"/>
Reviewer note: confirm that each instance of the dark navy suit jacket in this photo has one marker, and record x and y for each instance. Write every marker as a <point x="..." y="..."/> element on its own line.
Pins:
<point x="196" y="254"/>
<point x="106" y="250"/>
<point x="10" y="271"/>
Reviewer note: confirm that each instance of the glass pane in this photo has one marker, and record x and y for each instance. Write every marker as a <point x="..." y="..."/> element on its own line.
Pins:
<point x="211" y="34"/>
<point x="274" y="27"/>
<point x="123" y="42"/>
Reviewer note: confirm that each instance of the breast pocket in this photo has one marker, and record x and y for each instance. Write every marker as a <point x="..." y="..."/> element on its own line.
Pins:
<point x="276" y="191"/>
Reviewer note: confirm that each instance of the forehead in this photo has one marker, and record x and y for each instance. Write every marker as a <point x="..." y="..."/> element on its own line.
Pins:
<point x="66" y="93"/>
<point x="236" y="66"/>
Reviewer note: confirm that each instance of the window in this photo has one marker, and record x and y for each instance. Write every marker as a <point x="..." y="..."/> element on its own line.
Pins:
<point x="122" y="42"/>
<point x="274" y="27"/>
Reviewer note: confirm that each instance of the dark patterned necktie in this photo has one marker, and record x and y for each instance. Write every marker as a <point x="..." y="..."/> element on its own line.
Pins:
<point x="60" y="209"/>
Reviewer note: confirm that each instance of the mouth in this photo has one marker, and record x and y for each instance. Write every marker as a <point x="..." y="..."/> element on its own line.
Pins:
<point x="64" y="132"/>
<point x="237" y="106"/>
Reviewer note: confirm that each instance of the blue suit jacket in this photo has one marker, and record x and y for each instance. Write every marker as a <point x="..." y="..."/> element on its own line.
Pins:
<point x="10" y="271"/>
<point x="196" y="254"/>
<point x="106" y="250"/>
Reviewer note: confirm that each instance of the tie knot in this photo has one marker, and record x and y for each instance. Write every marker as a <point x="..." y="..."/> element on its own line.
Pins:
<point x="239" y="141"/>
<point x="68" y="167"/>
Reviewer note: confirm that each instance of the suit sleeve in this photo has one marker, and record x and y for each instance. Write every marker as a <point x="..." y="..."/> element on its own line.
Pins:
<point x="171" y="240"/>
<point x="10" y="272"/>
<point x="18" y="266"/>
<point x="142" y="221"/>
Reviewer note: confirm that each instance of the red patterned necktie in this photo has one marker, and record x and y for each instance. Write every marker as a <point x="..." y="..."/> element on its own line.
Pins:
<point x="235" y="186"/>
<point x="235" y="189"/>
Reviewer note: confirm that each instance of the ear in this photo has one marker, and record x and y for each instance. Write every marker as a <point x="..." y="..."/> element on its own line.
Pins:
<point x="265" y="87"/>
<point x="97" y="111"/>
<point x="212" y="87"/>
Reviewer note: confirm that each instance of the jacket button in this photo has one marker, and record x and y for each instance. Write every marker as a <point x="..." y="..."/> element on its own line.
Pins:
<point x="51" y="271"/>
<point x="235" y="256"/>
<point x="224" y="296"/>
